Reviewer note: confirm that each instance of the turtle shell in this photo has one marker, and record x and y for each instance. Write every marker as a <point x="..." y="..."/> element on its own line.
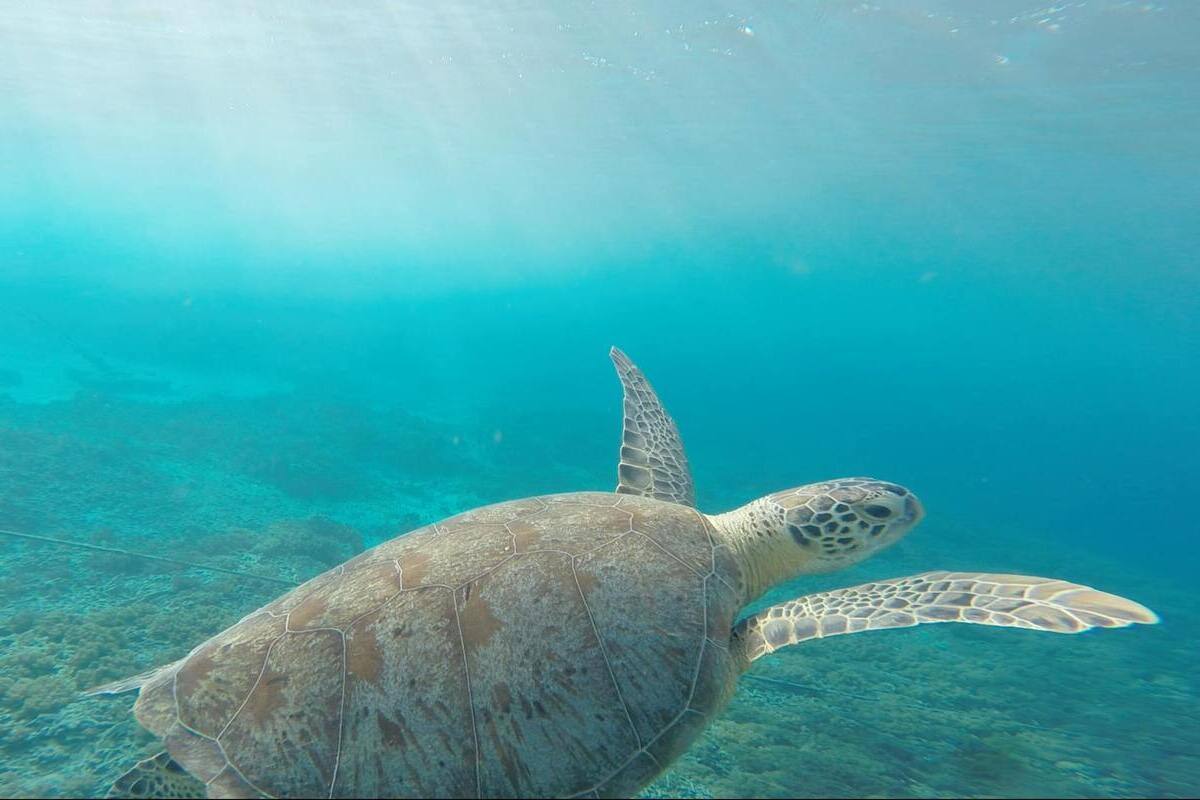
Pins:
<point x="564" y="645"/>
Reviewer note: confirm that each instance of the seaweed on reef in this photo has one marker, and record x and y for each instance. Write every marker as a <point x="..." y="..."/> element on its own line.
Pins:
<point x="674" y="783"/>
<point x="160" y="472"/>
<point x="357" y="446"/>
<point x="32" y="697"/>
<point x="296" y="548"/>
<point x="57" y="480"/>
<point x="304" y="477"/>
<point x="997" y="759"/>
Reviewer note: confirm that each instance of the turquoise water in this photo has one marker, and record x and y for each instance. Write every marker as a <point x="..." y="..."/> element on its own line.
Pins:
<point x="279" y="281"/>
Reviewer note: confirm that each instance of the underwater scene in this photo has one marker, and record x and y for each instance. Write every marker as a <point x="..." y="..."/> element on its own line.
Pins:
<point x="283" y="281"/>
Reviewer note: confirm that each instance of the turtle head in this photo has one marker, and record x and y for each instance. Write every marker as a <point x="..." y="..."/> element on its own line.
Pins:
<point x="817" y="528"/>
<point x="838" y="523"/>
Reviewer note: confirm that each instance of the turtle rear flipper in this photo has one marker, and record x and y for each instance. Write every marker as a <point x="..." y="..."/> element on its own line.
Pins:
<point x="157" y="776"/>
<point x="129" y="684"/>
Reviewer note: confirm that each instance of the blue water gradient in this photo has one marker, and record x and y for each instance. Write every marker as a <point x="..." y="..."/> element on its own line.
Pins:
<point x="268" y="263"/>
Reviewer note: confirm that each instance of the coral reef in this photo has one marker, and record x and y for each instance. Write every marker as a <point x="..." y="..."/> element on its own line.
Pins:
<point x="285" y="487"/>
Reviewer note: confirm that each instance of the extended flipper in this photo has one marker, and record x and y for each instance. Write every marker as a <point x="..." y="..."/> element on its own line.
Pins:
<point x="652" y="460"/>
<point x="129" y="684"/>
<point x="982" y="598"/>
<point x="157" y="776"/>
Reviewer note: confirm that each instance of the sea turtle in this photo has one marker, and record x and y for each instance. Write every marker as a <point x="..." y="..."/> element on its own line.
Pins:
<point x="565" y="645"/>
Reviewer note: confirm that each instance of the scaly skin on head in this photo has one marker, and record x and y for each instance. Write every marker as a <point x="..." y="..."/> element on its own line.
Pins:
<point x="817" y="528"/>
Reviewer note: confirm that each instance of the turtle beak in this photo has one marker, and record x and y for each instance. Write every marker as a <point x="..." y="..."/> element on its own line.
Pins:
<point x="914" y="512"/>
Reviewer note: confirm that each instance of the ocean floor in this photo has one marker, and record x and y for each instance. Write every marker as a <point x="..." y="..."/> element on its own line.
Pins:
<point x="279" y="486"/>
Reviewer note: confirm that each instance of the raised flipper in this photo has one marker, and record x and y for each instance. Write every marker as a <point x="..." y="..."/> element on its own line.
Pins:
<point x="157" y="776"/>
<point x="982" y="598"/>
<point x="652" y="460"/>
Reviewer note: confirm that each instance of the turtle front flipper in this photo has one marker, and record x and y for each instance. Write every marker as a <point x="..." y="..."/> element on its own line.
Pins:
<point x="652" y="460"/>
<point x="157" y="776"/>
<point x="1017" y="601"/>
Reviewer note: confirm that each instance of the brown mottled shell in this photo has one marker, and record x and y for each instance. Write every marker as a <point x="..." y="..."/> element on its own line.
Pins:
<point x="565" y="645"/>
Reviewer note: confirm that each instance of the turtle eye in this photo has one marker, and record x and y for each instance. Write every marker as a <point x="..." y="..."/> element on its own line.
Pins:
<point x="878" y="512"/>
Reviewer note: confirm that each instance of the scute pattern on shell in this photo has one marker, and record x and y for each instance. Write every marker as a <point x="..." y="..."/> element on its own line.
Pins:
<point x="562" y="645"/>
